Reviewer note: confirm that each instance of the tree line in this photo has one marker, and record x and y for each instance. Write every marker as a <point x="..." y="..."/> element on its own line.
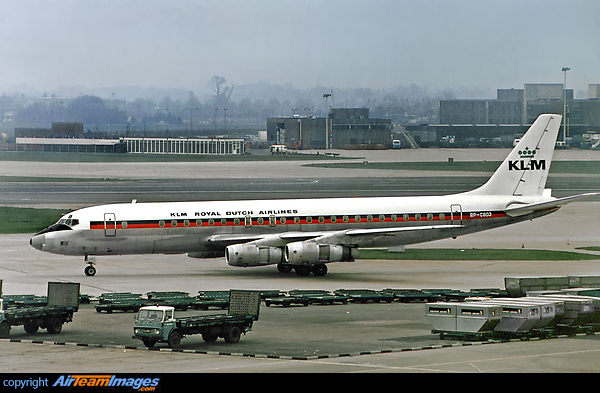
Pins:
<point x="399" y="103"/>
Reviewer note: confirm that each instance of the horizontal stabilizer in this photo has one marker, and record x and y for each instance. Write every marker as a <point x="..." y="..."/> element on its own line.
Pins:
<point x="521" y="210"/>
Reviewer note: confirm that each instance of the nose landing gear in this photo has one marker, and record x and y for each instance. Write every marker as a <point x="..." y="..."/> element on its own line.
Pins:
<point x="90" y="269"/>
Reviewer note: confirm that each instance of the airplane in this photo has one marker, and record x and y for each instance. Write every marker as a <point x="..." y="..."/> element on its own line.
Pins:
<point x="305" y="235"/>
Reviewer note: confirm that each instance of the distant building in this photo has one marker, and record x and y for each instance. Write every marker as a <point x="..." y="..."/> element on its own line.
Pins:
<point x="68" y="145"/>
<point x="517" y="107"/>
<point x="594" y="92"/>
<point x="195" y="146"/>
<point x="62" y="129"/>
<point x="203" y="146"/>
<point x="344" y="128"/>
<point x="70" y="138"/>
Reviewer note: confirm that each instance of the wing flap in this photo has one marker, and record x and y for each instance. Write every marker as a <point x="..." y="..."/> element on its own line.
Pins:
<point x="373" y="231"/>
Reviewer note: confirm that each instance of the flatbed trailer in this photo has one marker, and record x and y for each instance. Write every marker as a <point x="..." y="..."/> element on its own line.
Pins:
<point x="34" y="318"/>
<point x="158" y="323"/>
<point x="182" y="301"/>
<point x="63" y="301"/>
<point x="306" y="297"/>
<point x="364" y="296"/>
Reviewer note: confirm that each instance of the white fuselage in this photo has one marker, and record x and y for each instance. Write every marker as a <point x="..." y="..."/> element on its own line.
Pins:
<point x="186" y="227"/>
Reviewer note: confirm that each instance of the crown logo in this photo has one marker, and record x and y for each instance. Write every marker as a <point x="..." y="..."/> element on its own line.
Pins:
<point x="527" y="153"/>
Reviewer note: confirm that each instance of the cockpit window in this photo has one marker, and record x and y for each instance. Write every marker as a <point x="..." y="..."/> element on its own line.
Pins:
<point x="70" y="222"/>
<point x="64" y="224"/>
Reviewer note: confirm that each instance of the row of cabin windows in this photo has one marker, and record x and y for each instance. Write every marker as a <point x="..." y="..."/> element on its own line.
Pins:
<point x="272" y="220"/>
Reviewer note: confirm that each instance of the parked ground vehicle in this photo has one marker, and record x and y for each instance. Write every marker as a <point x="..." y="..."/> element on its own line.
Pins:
<point x="158" y="323"/>
<point x="63" y="301"/>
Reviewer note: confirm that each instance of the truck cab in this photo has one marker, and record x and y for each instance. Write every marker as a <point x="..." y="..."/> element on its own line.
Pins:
<point x="154" y="323"/>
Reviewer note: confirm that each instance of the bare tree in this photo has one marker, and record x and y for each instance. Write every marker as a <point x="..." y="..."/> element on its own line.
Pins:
<point x="222" y="92"/>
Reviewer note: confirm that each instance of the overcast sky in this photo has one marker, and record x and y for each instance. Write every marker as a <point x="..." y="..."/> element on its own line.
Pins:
<point x="480" y="44"/>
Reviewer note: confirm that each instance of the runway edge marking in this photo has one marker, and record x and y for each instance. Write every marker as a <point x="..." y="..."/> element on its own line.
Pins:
<point x="286" y="357"/>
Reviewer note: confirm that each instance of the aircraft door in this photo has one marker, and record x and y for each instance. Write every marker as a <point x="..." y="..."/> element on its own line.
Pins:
<point x="456" y="215"/>
<point x="110" y="224"/>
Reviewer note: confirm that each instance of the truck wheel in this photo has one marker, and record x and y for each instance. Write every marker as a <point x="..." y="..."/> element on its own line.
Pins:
<point x="174" y="339"/>
<point x="4" y="329"/>
<point x="210" y="337"/>
<point x="148" y="343"/>
<point x="55" y="325"/>
<point x="233" y="335"/>
<point x="31" y="326"/>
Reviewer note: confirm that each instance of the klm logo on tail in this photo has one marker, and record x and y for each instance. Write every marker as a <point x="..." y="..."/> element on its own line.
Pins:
<point x="529" y="165"/>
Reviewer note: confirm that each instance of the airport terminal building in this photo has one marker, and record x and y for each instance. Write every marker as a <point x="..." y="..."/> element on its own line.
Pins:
<point x="496" y="122"/>
<point x="343" y="128"/>
<point x="70" y="138"/>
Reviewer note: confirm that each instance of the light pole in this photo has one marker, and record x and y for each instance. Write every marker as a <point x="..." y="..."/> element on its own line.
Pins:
<point x="565" y="69"/>
<point x="191" y="109"/>
<point x="326" y="96"/>
<point x="157" y="122"/>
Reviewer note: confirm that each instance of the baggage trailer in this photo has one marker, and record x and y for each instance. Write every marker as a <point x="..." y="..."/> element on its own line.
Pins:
<point x="579" y="310"/>
<point x="442" y="316"/>
<point x="158" y="323"/>
<point x="63" y="301"/>
<point x="547" y="312"/>
<point x="477" y="317"/>
<point x="463" y="319"/>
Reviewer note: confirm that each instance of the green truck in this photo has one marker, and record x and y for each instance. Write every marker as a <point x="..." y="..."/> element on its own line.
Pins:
<point x="155" y="324"/>
<point x="63" y="301"/>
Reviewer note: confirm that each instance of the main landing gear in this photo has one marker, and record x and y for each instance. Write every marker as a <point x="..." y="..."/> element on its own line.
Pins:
<point x="90" y="269"/>
<point x="304" y="270"/>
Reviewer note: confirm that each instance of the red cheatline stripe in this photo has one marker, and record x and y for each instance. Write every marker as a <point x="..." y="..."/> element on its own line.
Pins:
<point x="312" y="220"/>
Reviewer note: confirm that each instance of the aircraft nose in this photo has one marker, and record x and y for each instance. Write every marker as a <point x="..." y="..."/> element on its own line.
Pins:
<point x="38" y="241"/>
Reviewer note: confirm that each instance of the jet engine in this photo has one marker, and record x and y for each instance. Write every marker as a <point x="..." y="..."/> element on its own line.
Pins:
<point x="252" y="255"/>
<point x="310" y="253"/>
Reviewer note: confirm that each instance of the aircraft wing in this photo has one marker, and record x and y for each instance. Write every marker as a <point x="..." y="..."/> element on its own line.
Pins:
<point x="521" y="210"/>
<point x="329" y="237"/>
<point x="267" y="239"/>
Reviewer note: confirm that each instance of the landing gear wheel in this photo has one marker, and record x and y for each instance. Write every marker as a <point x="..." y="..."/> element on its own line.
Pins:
<point x="302" y="271"/>
<point x="284" y="267"/>
<point x="90" y="271"/>
<point x="319" y="270"/>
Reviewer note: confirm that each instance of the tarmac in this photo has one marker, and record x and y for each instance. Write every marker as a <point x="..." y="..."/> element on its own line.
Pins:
<point x="352" y="338"/>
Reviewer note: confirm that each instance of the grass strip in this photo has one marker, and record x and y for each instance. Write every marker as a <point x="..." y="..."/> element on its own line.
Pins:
<point x="27" y="220"/>
<point x="592" y="248"/>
